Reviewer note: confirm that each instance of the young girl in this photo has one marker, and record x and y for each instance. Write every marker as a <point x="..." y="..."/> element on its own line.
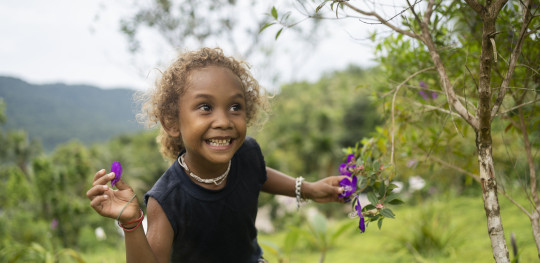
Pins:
<point x="203" y="208"/>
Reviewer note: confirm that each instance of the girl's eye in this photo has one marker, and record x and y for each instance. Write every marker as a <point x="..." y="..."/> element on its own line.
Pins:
<point x="236" y="107"/>
<point x="205" y="107"/>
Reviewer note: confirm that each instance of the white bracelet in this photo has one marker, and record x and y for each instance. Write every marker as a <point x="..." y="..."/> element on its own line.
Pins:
<point x="298" y="192"/>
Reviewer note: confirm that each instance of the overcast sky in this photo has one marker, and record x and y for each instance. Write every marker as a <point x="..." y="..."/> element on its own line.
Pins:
<point x="67" y="41"/>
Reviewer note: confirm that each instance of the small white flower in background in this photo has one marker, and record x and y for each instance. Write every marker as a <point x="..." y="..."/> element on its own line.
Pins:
<point x="416" y="183"/>
<point x="100" y="234"/>
<point x="288" y="204"/>
<point x="264" y="220"/>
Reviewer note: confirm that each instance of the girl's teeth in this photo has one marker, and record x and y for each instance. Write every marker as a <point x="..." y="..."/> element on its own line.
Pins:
<point x="214" y="142"/>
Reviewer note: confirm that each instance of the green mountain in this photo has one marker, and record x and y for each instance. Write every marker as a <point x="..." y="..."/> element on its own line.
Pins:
<point x="56" y="113"/>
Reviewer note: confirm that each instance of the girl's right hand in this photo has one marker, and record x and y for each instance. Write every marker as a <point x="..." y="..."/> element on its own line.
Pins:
<point x="108" y="202"/>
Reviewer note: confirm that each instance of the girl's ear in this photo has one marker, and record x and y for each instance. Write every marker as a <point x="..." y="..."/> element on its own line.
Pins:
<point x="171" y="129"/>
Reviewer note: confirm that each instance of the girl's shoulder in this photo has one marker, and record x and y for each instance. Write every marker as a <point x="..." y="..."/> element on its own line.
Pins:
<point x="249" y="144"/>
<point x="166" y="184"/>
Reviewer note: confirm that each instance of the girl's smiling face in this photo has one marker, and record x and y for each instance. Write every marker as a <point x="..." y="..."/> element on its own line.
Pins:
<point x="212" y="117"/>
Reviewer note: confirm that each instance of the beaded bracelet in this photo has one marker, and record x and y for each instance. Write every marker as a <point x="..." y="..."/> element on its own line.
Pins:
<point x="298" y="191"/>
<point x="138" y="221"/>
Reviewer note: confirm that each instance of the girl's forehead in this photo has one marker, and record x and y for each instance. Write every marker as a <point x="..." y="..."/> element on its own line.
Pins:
<point x="212" y="75"/>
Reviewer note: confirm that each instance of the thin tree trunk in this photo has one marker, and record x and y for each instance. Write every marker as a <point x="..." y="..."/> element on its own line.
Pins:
<point x="535" y="216"/>
<point x="491" y="204"/>
<point x="536" y="229"/>
<point x="483" y="133"/>
<point x="323" y="256"/>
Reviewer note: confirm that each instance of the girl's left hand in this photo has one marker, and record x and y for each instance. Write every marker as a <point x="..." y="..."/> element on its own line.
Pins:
<point x="325" y="190"/>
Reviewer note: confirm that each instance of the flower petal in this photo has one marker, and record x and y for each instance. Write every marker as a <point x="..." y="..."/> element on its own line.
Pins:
<point x="116" y="168"/>
<point x="358" y="208"/>
<point x="343" y="169"/>
<point x="349" y="186"/>
<point x="350" y="158"/>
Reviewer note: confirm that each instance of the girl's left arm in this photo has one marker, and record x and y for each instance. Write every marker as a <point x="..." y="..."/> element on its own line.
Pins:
<point x="322" y="191"/>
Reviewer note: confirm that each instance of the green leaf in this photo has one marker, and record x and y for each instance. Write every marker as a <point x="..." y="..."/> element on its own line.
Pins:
<point x="274" y="12"/>
<point x="270" y="247"/>
<point x="375" y="218"/>
<point x="379" y="223"/>
<point x="382" y="189"/>
<point x="369" y="207"/>
<point x="320" y="6"/>
<point x="391" y="197"/>
<point x="279" y="33"/>
<point x="392" y="187"/>
<point x="290" y="240"/>
<point x="372" y="198"/>
<point x="396" y="201"/>
<point x="347" y="225"/>
<point x="266" y="26"/>
<point x="387" y="213"/>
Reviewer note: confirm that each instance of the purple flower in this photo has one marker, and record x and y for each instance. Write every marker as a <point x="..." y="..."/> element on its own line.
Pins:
<point x="412" y="163"/>
<point x="54" y="223"/>
<point x="423" y="94"/>
<point x="116" y="168"/>
<point x="348" y="167"/>
<point x="358" y="209"/>
<point x="344" y="169"/>
<point x="424" y="91"/>
<point x="349" y="186"/>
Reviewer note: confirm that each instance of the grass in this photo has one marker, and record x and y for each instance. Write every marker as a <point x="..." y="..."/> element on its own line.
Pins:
<point x="461" y="226"/>
<point x="458" y="222"/>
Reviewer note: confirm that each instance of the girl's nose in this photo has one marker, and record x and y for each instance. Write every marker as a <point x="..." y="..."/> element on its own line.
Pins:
<point x="222" y="120"/>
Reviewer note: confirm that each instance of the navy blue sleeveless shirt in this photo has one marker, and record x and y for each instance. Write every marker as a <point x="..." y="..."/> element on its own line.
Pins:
<point x="214" y="225"/>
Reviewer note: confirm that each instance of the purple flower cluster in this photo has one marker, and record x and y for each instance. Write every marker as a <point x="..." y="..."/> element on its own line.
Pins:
<point x="349" y="184"/>
<point x="426" y="95"/>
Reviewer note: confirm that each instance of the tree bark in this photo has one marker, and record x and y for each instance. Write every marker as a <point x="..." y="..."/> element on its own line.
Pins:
<point x="536" y="229"/>
<point x="491" y="201"/>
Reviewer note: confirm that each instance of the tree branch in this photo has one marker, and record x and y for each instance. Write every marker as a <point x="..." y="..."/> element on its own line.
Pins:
<point x="457" y="168"/>
<point x="530" y="159"/>
<point x="477" y="179"/>
<point x="518" y="106"/>
<point x="443" y="76"/>
<point x="513" y="60"/>
<point x="382" y="20"/>
<point x="431" y="107"/>
<point x="477" y="7"/>
<point x="393" y="107"/>
<point x="429" y="11"/>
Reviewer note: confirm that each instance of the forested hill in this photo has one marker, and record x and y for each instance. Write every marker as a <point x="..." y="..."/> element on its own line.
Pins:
<point x="56" y="113"/>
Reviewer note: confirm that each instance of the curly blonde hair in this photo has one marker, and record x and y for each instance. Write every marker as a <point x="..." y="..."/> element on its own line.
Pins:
<point x="160" y="104"/>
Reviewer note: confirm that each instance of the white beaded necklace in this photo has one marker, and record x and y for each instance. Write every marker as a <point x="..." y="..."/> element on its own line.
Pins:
<point x="217" y="181"/>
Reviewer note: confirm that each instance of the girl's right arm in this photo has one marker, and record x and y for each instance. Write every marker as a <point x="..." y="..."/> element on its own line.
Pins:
<point x="153" y="247"/>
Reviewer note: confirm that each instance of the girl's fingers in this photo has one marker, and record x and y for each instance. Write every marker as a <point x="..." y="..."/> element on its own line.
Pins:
<point x="121" y="185"/>
<point x="99" y="174"/>
<point x="97" y="202"/>
<point x="96" y="190"/>
<point x="103" y="180"/>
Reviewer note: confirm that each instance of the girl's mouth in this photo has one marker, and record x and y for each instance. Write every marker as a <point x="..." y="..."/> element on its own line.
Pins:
<point x="219" y="142"/>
